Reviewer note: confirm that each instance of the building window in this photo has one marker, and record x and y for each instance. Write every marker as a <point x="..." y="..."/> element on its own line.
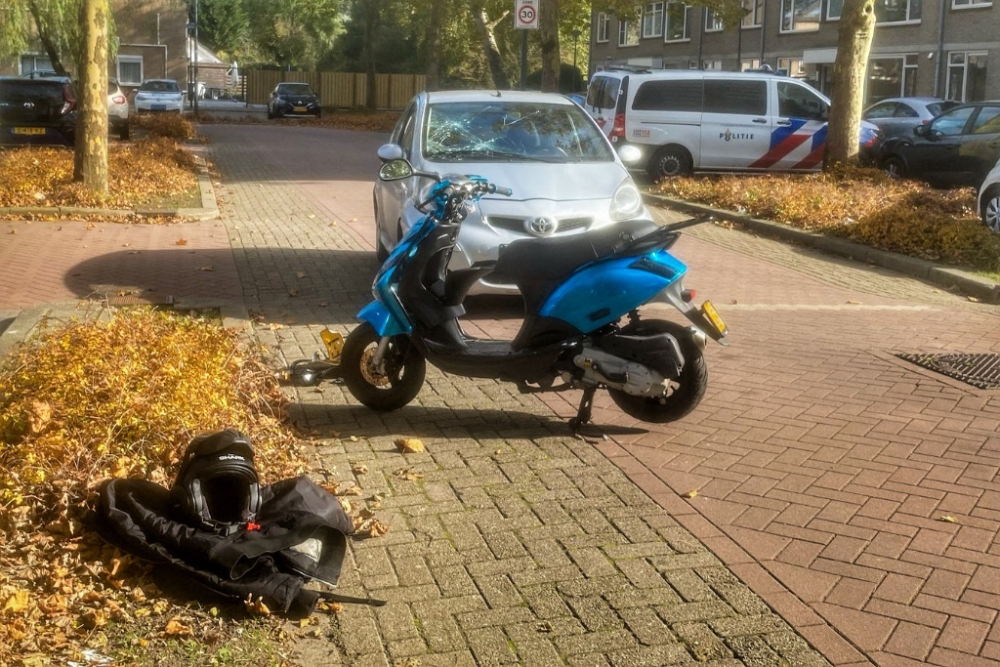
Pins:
<point x="800" y="15"/>
<point x="628" y="33"/>
<point x="892" y="77"/>
<point x="676" y="29"/>
<point x="967" y="76"/>
<point x="962" y="4"/>
<point x="711" y="65"/>
<point x="753" y="13"/>
<point x="602" y="27"/>
<point x="833" y="9"/>
<point x="791" y="67"/>
<point x="652" y="20"/>
<point x="750" y="64"/>
<point x="897" y="11"/>
<point x="130" y="70"/>
<point x="713" y="21"/>
<point x="33" y="62"/>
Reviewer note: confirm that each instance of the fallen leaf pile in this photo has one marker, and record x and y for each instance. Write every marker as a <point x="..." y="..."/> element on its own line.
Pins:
<point x="409" y="445"/>
<point x="92" y="400"/>
<point x="139" y="172"/>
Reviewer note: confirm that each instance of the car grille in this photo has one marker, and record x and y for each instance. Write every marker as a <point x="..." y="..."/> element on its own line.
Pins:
<point x="516" y="225"/>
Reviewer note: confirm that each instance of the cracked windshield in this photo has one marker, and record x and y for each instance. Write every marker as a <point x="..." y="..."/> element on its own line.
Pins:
<point x="506" y="131"/>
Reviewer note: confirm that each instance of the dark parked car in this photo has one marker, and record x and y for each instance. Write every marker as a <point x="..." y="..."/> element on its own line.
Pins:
<point x="293" y="99"/>
<point x="958" y="148"/>
<point x="897" y="116"/>
<point x="37" y="111"/>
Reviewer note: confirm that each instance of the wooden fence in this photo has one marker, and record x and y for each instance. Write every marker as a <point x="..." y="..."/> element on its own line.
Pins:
<point x="339" y="89"/>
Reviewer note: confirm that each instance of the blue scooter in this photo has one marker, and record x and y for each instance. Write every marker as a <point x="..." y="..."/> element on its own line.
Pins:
<point x="576" y="290"/>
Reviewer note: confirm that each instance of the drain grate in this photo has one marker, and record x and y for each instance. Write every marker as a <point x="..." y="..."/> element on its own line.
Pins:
<point x="979" y="370"/>
<point x="137" y="300"/>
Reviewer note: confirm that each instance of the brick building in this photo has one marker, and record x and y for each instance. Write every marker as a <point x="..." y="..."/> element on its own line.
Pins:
<point x="948" y="48"/>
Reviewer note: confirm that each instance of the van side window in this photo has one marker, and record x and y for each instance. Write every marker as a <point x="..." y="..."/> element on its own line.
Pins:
<point x="736" y="96"/>
<point x="682" y="95"/>
<point x="603" y="93"/>
<point x="795" y="101"/>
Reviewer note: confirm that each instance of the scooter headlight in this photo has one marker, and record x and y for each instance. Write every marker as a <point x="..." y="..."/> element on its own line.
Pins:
<point x="626" y="202"/>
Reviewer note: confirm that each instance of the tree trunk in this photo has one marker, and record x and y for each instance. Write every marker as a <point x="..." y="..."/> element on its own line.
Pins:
<point x="434" y="45"/>
<point x="548" y="32"/>
<point x="91" y="163"/>
<point x="854" y="43"/>
<point x="490" y="48"/>
<point x="372" y="11"/>
<point x="46" y="39"/>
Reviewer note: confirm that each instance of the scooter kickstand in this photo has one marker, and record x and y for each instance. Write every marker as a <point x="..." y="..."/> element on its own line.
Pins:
<point x="583" y="412"/>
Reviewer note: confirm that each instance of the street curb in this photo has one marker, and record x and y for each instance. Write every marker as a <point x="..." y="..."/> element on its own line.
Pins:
<point x="947" y="277"/>
<point x="234" y="315"/>
<point x="209" y="209"/>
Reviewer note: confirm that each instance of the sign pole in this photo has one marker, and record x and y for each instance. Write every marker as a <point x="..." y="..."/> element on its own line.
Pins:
<point x="524" y="60"/>
<point x="525" y="19"/>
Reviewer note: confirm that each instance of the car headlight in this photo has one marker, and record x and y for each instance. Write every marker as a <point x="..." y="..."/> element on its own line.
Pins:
<point x="626" y="202"/>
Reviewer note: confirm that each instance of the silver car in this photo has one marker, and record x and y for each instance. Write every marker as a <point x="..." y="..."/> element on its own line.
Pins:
<point x="159" y="95"/>
<point x="897" y="116"/>
<point x="118" y="112"/>
<point x="989" y="200"/>
<point x="564" y="173"/>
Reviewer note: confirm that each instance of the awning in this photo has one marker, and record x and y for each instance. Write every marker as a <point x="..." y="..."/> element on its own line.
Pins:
<point x="819" y="56"/>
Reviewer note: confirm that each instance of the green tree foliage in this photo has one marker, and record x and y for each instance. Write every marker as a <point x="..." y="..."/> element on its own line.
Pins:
<point x="225" y="26"/>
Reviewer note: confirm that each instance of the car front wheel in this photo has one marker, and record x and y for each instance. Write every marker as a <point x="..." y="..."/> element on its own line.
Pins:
<point x="991" y="209"/>
<point x="894" y="166"/>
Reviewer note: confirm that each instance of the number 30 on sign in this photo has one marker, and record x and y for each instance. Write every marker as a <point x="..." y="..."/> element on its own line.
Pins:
<point x="526" y="14"/>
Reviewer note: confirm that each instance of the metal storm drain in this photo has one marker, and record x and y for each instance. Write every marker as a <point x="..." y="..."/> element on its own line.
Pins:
<point x="979" y="370"/>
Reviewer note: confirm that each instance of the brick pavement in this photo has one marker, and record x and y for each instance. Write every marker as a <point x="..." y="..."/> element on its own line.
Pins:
<point x="822" y="464"/>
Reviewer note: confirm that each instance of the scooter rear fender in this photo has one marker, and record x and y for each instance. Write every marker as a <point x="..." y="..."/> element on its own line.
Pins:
<point x="606" y="290"/>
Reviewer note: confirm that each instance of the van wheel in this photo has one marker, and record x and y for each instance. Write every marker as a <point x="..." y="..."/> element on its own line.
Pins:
<point x="668" y="162"/>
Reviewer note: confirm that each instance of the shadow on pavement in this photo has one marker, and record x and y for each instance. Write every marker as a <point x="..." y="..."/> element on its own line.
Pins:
<point x="328" y="421"/>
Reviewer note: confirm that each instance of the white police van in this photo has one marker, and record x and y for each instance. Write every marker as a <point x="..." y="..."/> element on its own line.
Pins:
<point x="687" y="120"/>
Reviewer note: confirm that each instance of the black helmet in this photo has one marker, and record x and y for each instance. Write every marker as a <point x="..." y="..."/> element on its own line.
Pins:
<point x="217" y="487"/>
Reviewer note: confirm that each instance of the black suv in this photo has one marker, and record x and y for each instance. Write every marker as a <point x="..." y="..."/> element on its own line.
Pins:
<point x="37" y="111"/>
<point x="293" y="99"/>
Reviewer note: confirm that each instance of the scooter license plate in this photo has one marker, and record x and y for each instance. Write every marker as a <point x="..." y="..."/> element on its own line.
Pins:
<point x="713" y="316"/>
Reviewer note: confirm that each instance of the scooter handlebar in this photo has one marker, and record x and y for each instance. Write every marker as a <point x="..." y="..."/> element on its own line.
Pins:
<point x="500" y="190"/>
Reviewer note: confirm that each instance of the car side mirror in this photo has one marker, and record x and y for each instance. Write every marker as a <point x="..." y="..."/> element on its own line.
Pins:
<point x="395" y="170"/>
<point x="629" y="154"/>
<point x="921" y="130"/>
<point x="389" y="152"/>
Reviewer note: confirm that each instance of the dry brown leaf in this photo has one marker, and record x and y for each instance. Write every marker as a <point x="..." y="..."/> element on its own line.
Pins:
<point x="300" y="274"/>
<point x="948" y="518"/>
<point x="181" y="242"/>
<point x="409" y="445"/>
<point x="346" y="504"/>
<point x="407" y="474"/>
<point x="360" y="469"/>
<point x="256" y="606"/>
<point x="973" y="299"/>
<point x="693" y="493"/>
<point x="854" y="303"/>
<point x="177" y="629"/>
<point x="352" y="490"/>
<point x="17" y="602"/>
<point x="208" y="267"/>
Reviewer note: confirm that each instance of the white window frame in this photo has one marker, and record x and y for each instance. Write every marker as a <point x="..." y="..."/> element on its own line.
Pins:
<point x="711" y="65"/>
<point x="129" y="59"/>
<point x="755" y="14"/>
<point x="649" y="15"/>
<point x="908" y="69"/>
<point x="684" y="24"/>
<point x="34" y="55"/>
<point x="794" y="67"/>
<point x="713" y="21"/>
<point x="906" y="21"/>
<point x="781" y="22"/>
<point x="603" y="28"/>
<point x="970" y="4"/>
<point x="829" y="11"/>
<point x="628" y="29"/>
<point x="965" y="70"/>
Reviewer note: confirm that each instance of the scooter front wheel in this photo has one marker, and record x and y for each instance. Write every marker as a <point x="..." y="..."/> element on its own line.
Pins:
<point x="389" y="388"/>
<point x="685" y="392"/>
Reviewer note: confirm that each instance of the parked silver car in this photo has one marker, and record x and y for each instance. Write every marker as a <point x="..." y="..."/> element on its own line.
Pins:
<point x="118" y="111"/>
<point x="989" y="199"/>
<point x="159" y="95"/>
<point x="564" y="173"/>
<point x="898" y="116"/>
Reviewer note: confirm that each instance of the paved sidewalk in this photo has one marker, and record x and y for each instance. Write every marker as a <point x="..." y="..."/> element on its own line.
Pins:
<point x="823" y="464"/>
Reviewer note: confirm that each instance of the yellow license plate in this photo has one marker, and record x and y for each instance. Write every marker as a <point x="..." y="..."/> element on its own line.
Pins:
<point x="300" y="109"/>
<point x="713" y="316"/>
<point x="29" y="130"/>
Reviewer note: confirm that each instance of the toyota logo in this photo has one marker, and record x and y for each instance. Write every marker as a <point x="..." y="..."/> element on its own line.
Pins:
<point x="541" y="225"/>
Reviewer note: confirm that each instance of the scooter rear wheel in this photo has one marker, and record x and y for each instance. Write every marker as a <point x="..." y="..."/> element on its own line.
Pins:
<point x="405" y="370"/>
<point x="686" y="391"/>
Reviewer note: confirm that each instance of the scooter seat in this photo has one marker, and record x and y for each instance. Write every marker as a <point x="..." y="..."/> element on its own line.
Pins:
<point x="536" y="266"/>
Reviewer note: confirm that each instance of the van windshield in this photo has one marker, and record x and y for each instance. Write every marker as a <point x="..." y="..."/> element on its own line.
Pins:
<point x="505" y="131"/>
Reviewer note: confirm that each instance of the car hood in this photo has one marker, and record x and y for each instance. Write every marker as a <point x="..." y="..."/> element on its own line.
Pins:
<point x="536" y="180"/>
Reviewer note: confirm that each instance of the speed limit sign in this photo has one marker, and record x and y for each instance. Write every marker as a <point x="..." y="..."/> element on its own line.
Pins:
<point x="526" y="14"/>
